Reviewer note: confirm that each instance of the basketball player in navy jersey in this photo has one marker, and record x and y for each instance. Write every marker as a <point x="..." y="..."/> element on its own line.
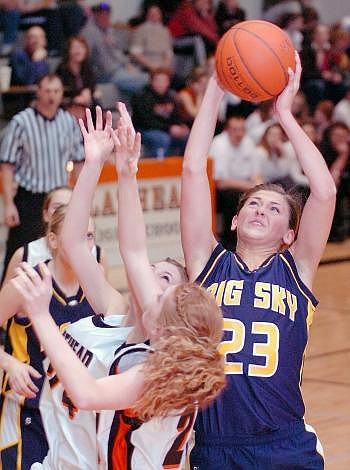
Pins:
<point x="22" y="436"/>
<point x="264" y="290"/>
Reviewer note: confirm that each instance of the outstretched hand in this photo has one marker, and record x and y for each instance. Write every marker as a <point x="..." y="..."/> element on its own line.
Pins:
<point x="127" y="144"/>
<point x="98" y="142"/>
<point x="283" y="102"/>
<point x="35" y="290"/>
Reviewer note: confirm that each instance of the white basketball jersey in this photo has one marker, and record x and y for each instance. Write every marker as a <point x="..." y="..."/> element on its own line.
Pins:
<point x="135" y="445"/>
<point x="38" y="251"/>
<point x="72" y="433"/>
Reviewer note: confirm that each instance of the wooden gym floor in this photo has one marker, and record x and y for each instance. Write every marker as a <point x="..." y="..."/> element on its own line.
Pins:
<point x="326" y="379"/>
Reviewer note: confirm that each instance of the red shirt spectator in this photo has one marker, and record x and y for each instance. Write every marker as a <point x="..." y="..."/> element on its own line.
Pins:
<point x="194" y="17"/>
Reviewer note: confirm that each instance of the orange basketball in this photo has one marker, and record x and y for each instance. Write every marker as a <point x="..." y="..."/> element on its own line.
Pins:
<point x="252" y="60"/>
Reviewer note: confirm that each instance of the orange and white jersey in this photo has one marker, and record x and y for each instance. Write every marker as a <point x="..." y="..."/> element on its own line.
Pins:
<point x="135" y="445"/>
<point x="72" y="433"/>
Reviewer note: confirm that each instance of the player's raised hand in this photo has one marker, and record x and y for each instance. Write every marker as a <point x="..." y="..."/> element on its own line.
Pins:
<point x="98" y="142"/>
<point x="124" y="114"/>
<point x="34" y="289"/>
<point x="127" y="144"/>
<point x="283" y="102"/>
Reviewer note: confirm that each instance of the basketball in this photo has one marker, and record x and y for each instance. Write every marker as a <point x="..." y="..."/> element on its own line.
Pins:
<point x="252" y="60"/>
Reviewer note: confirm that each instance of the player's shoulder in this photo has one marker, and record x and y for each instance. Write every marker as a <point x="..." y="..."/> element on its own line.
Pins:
<point x="130" y="355"/>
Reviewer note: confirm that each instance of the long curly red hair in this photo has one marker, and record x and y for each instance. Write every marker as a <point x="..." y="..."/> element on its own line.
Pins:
<point x="186" y="370"/>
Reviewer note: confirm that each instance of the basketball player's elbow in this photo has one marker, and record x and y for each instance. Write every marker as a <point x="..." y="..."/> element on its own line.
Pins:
<point x="194" y="167"/>
<point x="84" y="400"/>
<point x="326" y="192"/>
<point x="84" y="393"/>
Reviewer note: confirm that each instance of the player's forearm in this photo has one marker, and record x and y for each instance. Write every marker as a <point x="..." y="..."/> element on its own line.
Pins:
<point x="5" y="360"/>
<point x="72" y="373"/>
<point x="77" y="218"/>
<point x="311" y="160"/>
<point x="131" y="224"/>
<point x="7" y="179"/>
<point x="10" y="303"/>
<point x="203" y="129"/>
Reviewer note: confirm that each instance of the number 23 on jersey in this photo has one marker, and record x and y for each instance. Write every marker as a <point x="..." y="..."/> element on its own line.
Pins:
<point x="268" y="348"/>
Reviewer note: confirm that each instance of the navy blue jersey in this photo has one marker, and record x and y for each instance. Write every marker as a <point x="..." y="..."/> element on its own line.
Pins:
<point x="267" y="313"/>
<point x="23" y="343"/>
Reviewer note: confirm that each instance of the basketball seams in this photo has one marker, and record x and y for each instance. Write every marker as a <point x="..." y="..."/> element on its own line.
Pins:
<point x="244" y="63"/>
<point x="223" y="78"/>
<point x="266" y="44"/>
<point x="225" y="81"/>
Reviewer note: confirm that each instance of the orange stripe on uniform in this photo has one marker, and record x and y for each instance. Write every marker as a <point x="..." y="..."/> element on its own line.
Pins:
<point x="120" y="446"/>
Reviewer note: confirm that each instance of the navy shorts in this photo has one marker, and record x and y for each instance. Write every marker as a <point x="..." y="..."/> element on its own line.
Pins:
<point x="33" y="446"/>
<point x="296" y="448"/>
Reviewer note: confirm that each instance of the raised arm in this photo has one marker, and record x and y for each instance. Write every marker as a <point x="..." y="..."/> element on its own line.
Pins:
<point x="318" y="211"/>
<point x="197" y="237"/>
<point x="98" y="145"/>
<point x="131" y="225"/>
<point x="86" y="392"/>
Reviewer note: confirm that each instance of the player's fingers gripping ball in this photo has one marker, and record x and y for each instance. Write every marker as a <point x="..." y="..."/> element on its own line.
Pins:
<point x="252" y="60"/>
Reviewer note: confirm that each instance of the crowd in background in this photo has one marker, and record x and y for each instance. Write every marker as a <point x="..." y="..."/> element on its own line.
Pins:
<point x="159" y="64"/>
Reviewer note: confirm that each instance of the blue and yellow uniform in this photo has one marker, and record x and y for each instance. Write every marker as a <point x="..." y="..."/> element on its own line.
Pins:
<point x="257" y="421"/>
<point x="22" y="436"/>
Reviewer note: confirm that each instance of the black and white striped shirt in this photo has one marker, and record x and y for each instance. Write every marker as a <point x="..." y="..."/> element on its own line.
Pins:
<point x="40" y="148"/>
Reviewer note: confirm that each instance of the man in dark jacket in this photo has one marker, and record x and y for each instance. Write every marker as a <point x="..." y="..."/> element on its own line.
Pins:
<point x="155" y="116"/>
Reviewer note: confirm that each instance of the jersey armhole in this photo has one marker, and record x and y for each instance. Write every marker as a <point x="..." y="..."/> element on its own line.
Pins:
<point x="289" y="260"/>
<point x="98" y="253"/>
<point x="219" y="250"/>
<point x="25" y="252"/>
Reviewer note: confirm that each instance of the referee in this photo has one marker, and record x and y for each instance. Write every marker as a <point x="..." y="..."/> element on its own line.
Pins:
<point x="37" y="145"/>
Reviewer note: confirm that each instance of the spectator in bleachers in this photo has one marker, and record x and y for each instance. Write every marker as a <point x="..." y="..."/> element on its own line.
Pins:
<point x="311" y="20"/>
<point x="323" y="117"/>
<point x="275" y="12"/>
<point x="151" y="43"/>
<point x="310" y="130"/>
<point x="193" y="27"/>
<point x="292" y="24"/>
<point x="73" y="15"/>
<point x="342" y="109"/>
<point x="30" y="63"/>
<point x="167" y="9"/>
<point x="77" y="77"/>
<point x="110" y="62"/>
<point x="9" y="21"/>
<point x="335" y="147"/>
<point x="236" y="169"/>
<point x="300" y="108"/>
<point x="259" y="120"/>
<point x="190" y="97"/>
<point x="313" y="56"/>
<point x="155" y="115"/>
<point x="279" y="164"/>
<point x="337" y="64"/>
<point x="227" y="14"/>
<point x="43" y="13"/>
